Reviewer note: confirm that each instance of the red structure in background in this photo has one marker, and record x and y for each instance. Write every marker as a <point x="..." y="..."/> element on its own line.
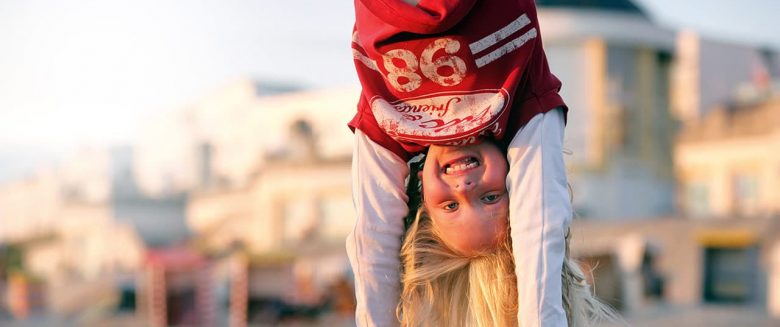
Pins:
<point x="25" y="296"/>
<point x="239" y="291"/>
<point x="178" y="289"/>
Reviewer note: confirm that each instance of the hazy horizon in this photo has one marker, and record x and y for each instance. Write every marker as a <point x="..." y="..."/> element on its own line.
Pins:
<point x="89" y="73"/>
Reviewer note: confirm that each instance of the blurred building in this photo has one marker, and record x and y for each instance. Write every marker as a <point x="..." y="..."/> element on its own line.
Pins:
<point x="723" y="246"/>
<point x="72" y="221"/>
<point x="656" y="138"/>
<point x="682" y="263"/>
<point x="222" y="139"/>
<point x="257" y="174"/>
<point x="159" y="219"/>
<point x="728" y="176"/>
<point x="63" y="217"/>
<point x="30" y="207"/>
<point x="268" y="179"/>
<point x="725" y="163"/>
<point x="615" y="65"/>
<point x="630" y="84"/>
<point x="709" y="72"/>
<point x="288" y="206"/>
<point x="177" y="289"/>
<point x="293" y="215"/>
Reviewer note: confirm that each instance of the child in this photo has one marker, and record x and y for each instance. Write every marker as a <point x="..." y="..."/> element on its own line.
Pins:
<point x="449" y="73"/>
<point x="468" y="279"/>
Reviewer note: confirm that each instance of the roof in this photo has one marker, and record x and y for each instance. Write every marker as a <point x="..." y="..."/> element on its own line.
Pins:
<point x="625" y="6"/>
<point x="734" y="120"/>
<point x="266" y="88"/>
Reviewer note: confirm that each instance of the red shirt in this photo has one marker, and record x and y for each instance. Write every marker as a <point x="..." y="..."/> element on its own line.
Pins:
<point x="448" y="71"/>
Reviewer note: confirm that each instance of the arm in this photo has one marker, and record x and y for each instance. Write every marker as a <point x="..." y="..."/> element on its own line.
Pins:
<point x="373" y="247"/>
<point x="539" y="213"/>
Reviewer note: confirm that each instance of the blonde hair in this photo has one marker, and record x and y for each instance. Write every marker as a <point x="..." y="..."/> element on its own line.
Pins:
<point x="442" y="287"/>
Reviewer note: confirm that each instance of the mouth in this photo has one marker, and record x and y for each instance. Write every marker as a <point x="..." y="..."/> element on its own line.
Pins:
<point x="460" y="165"/>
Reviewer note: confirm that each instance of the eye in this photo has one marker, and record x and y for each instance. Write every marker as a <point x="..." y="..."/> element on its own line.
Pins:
<point x="452" y="206"/>
<point x="491" y="198"/>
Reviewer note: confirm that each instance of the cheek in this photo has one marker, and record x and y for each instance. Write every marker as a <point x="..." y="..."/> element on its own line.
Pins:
<point x="431" y="192"/>
<point x="434" y="189"/>
<point x="495" y="174"/>
<point x="501" y="230"/>
<point x="502" y="222"/>
<point x="502" y="213"/>
<point x="427" y="179"/>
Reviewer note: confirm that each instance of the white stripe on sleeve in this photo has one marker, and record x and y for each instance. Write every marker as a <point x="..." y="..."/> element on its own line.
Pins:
<point x="499" y="35"/>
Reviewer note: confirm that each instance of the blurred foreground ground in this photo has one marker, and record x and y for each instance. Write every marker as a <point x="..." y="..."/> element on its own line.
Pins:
<point x="132" y="321"/>
<point x="711" y="316"/>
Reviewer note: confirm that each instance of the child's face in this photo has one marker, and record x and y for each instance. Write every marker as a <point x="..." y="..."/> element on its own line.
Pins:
<point x="464" y="189"/>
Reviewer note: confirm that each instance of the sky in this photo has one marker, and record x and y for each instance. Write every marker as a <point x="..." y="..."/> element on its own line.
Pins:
<point x="91" y="72"/>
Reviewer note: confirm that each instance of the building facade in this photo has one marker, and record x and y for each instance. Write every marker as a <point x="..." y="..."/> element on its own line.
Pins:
<point x="614" y="63"/>
<point x="725" y="164"/>
<point x="287" y="223"/>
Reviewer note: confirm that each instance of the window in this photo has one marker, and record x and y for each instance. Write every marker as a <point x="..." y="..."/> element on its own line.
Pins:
<point x="697" y="199"/>
<point x="729" y="274"/>
<point x="745" y="194"/>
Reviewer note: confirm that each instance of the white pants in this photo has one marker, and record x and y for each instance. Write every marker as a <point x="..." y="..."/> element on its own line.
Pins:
<point x="540" y="212"/>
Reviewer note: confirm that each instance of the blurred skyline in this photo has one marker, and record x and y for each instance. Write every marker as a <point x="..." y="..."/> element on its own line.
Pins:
<point x="207" y="143"/>
<point x="92" y="73"/>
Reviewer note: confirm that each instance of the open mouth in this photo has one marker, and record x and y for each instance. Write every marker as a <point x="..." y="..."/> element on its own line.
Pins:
<point x="460" y="165"/>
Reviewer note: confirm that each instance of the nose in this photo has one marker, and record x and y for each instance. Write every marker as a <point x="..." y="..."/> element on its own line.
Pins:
<point x="464" y="185"/>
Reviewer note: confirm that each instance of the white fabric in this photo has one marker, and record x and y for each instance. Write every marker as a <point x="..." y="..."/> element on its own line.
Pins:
<point x="374" y="246"/>
<point x="539" y="214"/>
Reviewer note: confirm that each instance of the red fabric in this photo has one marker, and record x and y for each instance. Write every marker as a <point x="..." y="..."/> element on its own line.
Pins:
<point x="448" y="71"/>
<point x="428" y="17"/>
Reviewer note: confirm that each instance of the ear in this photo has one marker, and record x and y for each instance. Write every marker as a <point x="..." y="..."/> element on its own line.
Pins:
<point x="419" y="175"/>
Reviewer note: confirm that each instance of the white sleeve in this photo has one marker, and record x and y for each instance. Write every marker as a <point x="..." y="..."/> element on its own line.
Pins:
<point x="373" y="247"/>
<point x="539" y="214"/>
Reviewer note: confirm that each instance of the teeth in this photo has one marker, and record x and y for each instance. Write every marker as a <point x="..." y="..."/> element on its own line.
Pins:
<point x="461" y="167"/>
